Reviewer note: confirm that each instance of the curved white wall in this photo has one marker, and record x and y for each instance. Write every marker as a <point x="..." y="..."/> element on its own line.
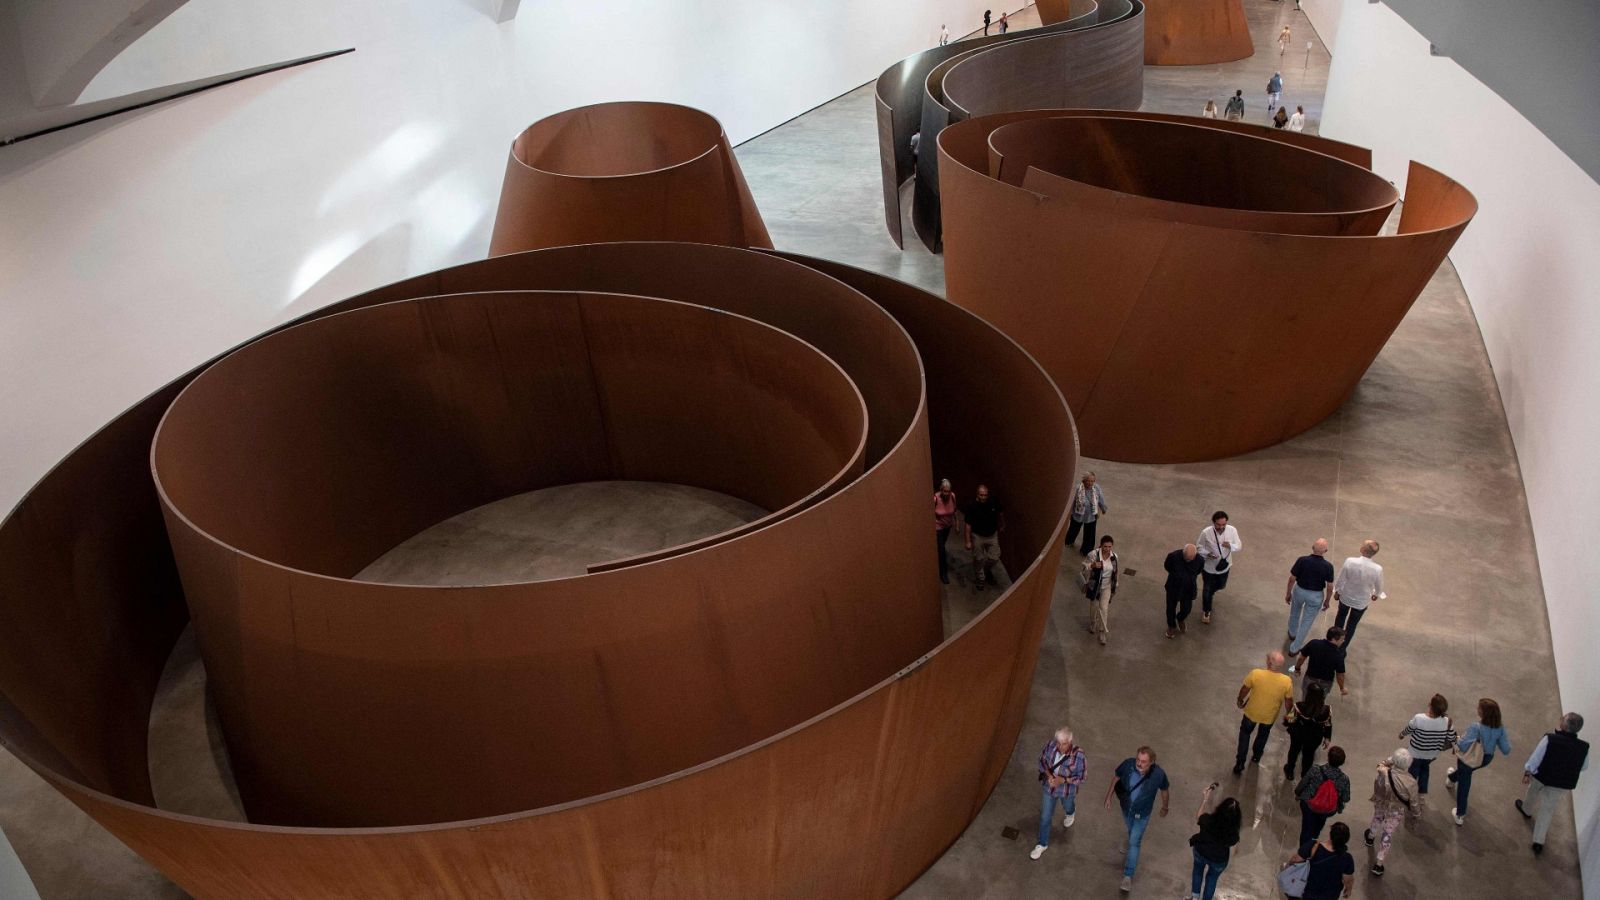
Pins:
<point x="1529" y="266"/>
<point x="134" y="248"/>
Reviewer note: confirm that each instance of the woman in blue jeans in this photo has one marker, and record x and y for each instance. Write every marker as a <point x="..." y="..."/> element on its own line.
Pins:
<point x="1491" y="733"/>
<point x="1213" y="843"/>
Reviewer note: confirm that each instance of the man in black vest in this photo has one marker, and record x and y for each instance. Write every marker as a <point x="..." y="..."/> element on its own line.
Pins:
<point x="1551" y="773"/>
<point x="1183" y="567"/>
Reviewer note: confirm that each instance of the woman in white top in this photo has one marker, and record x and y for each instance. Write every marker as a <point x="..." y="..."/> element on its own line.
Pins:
<point x="1100" y="573"/>
<point x="1210" y="112"/>
<point x="1297" y="122"/>
<point x="1431" y="733"/>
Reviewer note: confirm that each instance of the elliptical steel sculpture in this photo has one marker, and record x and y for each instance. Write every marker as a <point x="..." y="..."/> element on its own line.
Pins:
<point x="562" y="737"/>
<point x="1195" y="32"/>
<point x="1089" y="57"/>
<point x="1171" y="272"/>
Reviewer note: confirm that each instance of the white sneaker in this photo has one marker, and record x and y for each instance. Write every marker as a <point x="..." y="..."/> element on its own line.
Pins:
<point x="1126" y="886"/>
<point x="1067" y="820"/>
<point x="1460" y="820"/>
<point x="1038" y="851"/>
<point x="1450" y="771"/>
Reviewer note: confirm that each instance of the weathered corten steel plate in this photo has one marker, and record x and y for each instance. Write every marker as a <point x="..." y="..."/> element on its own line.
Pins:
<point x="1087" y="56"/>
<point x="1197" y="289"/>
<point x="1195" y="32"/>
<point x="671" y="671"/>
<point x="627" y="171"/>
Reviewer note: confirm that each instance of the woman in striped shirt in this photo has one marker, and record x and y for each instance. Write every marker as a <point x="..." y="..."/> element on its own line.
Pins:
<point x="1431" y="733"/>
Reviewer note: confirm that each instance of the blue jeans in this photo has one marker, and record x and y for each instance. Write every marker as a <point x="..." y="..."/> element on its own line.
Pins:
<point x="1136" y="827"/>
<point x="1462" y="777"/>
<point x="1304" y="607"/>
<point x="1206" y="871"/>
<point x="1419" y="771"/>
<point x="1048" y="808"/>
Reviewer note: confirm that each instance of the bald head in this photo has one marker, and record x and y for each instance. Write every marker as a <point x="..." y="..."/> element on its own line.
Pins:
<point x="1320" y="546"/>
<point x="1189" y="551"/>
<point x="1369" y="548"/>
<point x="1275" y="660"/>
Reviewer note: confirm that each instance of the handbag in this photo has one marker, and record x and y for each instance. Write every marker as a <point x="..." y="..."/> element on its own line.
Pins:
<point x="1473" y="758"/>
<point x="1292" y="880"/>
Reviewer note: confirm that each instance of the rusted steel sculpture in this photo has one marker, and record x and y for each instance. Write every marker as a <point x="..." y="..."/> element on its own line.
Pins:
<point x="1197" y="288"/>
<point x="1088" y="54"/>
<point x="1195" y="32"/>
<point x="633" y="732"/>
<point x="629" y="171"/>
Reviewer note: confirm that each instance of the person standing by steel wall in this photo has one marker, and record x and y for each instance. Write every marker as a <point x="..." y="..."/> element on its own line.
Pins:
<point x="944" y="518"/>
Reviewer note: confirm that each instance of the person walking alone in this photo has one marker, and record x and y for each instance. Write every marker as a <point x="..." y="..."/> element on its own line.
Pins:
<point x="1264" y="691"/>
<point x="1234" y="111"/>
<point x="1308" y="593"/>
<point x="1394" y="798"/>
<point x="1551" y="773"/>
<point x="1274" y="91"/>
<point x="1284" y="37"/>
<point x="1310" y="725"/>
<point x="1484" y="738"/>
<point x="1100" y="574"/>
<point x="1183" y="567"/>
<point x="1359" y="585"/>
<point x="944" y="35"/>
<point x="985" y="518"/>
<point x="1297" y="122"/>
<point x="1088" y="503"/>
<point x="1135" y="784"/>
<point x="944" y="518"/>
<point x="1061" y="769"/>
<point x="1431" y="733"/>
<point x="1217" y="545"/>
<point x="1213" y="843"/>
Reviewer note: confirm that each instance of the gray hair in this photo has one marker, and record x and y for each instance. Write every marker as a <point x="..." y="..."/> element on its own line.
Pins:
<point x="1064" y="734"/>
<point x="1401" y="758"/>
<point x="1572" y="723"/>
<point x="944" y="484"/>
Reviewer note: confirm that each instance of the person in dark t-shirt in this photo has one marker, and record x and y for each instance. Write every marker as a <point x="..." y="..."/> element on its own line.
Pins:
<point x="1322" y="661"/>
<point x="1308" y="593"/>
<point x="985" y="518"/>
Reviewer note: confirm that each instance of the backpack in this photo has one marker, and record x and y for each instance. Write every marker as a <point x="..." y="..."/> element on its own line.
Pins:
<point x="1326" y="799"/>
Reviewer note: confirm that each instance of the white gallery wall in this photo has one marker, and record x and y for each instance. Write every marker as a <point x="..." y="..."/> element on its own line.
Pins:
<point x="134" y="248"/>
<point x="1528" y="263"/>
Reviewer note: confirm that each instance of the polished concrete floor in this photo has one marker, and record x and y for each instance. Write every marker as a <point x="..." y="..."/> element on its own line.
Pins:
<point x="1419" y="458"/>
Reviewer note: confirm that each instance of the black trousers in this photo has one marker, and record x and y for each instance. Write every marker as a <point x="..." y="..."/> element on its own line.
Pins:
<point x="1211" y="584"/>
<point x="1310" y="824"/>
<point x="1179" y="603"/>
<point x="1088" y="534"/>
<point x="1351" y="614"/>
<point x="1262" y="732"/>
<point x="944" y="558"/>
<point x="1304" y="749"/>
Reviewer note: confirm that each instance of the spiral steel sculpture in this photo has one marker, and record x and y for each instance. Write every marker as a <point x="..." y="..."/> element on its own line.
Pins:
<point x="1197" y="288"/>
<point x="637" y="731"/>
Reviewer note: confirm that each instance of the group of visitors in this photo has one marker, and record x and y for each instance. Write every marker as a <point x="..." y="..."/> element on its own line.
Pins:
<point x="1234" y="110"/>
<point x="1321" y="868"/>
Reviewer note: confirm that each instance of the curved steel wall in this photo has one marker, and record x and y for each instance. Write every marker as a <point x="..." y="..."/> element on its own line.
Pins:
<point x="1195" y="32"/>
<point x="87" y="546"/>
<point x="1097" y="44"/>
<point x="628" y="171"/>
<point x="1179" y="325"/>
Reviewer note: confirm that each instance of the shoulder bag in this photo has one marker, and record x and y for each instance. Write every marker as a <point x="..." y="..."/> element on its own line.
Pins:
<point x="1473" y="758"/>
<point x="1292" y="880"/>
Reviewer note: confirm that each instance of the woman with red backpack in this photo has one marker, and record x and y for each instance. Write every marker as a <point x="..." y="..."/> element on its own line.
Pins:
<point x="1322" y="793"/>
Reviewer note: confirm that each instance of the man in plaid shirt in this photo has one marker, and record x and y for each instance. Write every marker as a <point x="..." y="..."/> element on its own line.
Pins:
<point x="1061" y="770"/>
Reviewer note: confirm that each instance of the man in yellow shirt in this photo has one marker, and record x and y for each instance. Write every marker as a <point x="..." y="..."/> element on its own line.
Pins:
<point x="1263" y="692"/>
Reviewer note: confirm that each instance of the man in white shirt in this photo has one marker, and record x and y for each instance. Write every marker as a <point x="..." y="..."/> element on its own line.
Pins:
<point x="944" y="35"/>
<point x="1359" y="585"/>
<point x="1217" y="545"/>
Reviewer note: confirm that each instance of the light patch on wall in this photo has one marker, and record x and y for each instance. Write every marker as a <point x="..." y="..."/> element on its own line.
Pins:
<point x="447" y="212"/>
<point x="406" y="148"/>
<point x="319" y="263"/>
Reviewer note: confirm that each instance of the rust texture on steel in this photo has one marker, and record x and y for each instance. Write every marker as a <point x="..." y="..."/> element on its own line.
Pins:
<point x="1198" y="257"/>
<point x="1087" y="54"/>
<point x="1195" y="32"/>
<point x="626" y="171"/>
<point x="416" y="742"/>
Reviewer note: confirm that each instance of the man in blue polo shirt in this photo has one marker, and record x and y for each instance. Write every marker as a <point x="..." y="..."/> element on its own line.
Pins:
<point x="1308" y="593"/>
<point x="1137" y="782"/>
